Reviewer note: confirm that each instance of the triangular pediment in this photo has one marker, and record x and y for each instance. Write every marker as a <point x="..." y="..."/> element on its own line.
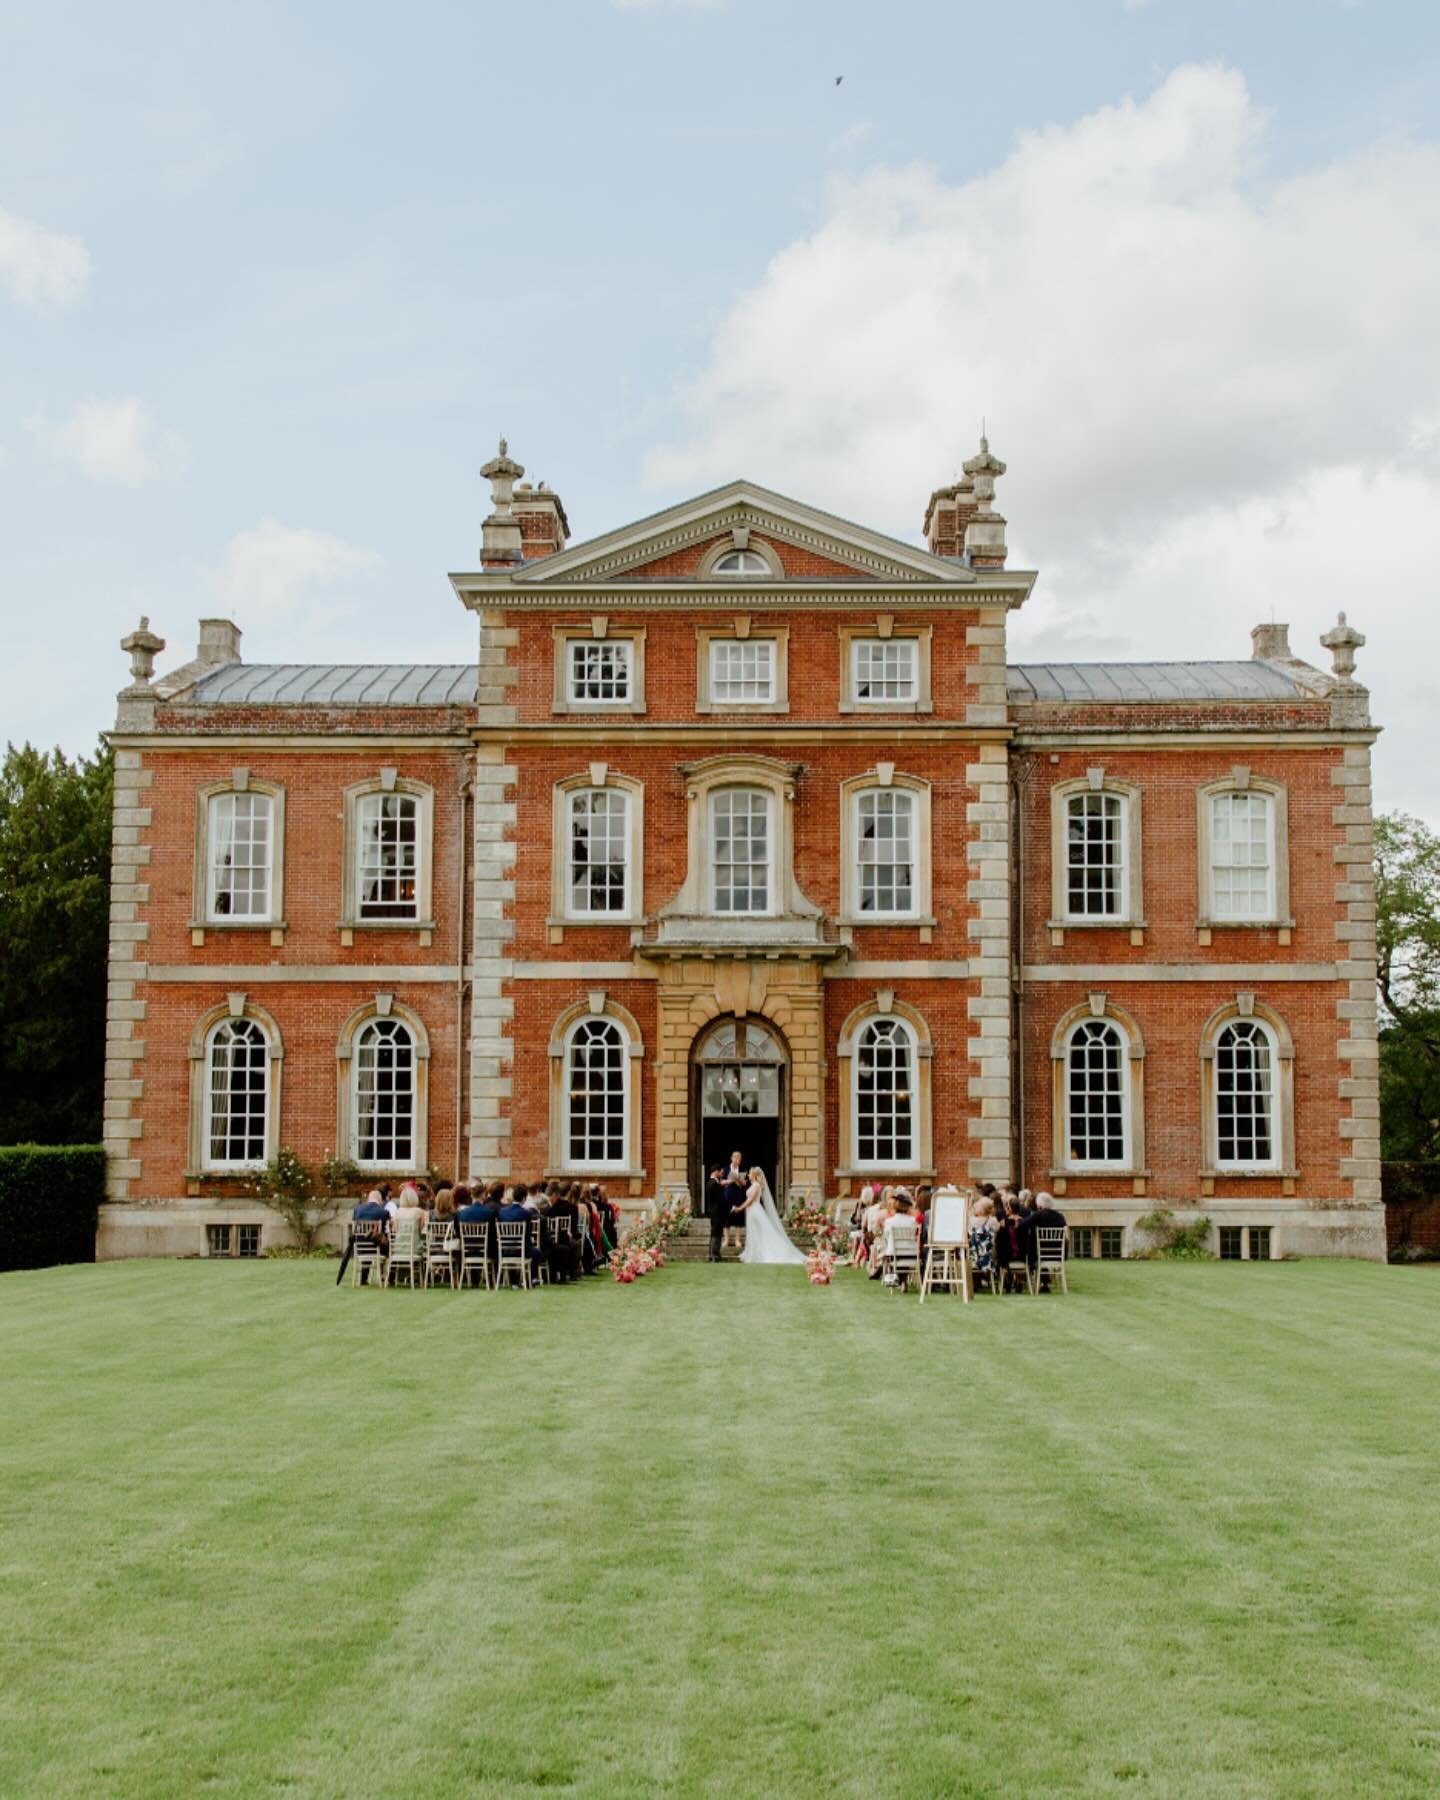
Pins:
<point x="677" y="544"/>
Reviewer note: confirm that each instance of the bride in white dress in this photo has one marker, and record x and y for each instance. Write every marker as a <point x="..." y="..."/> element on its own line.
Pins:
<point x="765" y="1237"/>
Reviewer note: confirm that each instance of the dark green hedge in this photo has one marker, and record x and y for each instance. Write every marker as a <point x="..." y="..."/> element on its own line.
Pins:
<point x="1403" y="1183"/>
<point x="49" y="1196"/>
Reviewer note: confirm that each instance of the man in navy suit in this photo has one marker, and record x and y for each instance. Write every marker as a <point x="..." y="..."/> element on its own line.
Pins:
<point x="371" y="1210"/>
<point x="515" y="1212"/>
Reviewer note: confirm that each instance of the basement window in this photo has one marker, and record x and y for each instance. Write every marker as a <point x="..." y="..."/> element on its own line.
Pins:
<point x="232" y="1240"/>
<point x="1245" y="1243"/>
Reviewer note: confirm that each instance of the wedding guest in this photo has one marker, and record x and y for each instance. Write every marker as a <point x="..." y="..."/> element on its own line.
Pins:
<point x="370" y="1211"/>
<point x="444" y="1203"/>
<point x="1009" y="1252"/>
<point x="515" y="1211"/>
<point x="1045" y="1212"/>
<point x="563" y="1253"/>
<point x="859" y="1249"/>
<point x="982" y="1237"/>
<point x="410" y="1206"/>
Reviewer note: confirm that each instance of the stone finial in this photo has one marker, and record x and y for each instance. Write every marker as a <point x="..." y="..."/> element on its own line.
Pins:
<point x="1342" y="641"/>
<point x="501" y="531"/>
<point x="1270" y="643"/>
<point x="985" y="529"/>
<point x="142" y="646"/>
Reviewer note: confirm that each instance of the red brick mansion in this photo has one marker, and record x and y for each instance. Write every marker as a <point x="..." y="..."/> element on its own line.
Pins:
<point x="741" y="832"/>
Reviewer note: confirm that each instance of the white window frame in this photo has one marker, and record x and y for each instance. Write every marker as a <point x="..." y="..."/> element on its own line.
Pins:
<point x="1099" y="1164"/>
<point x="855" y="638"/>
<point x="1271" y="1164"/>
<point x="233" y="1164"/>
<point x="347" y="1086"/>
<point x="852" y="793"/>
<point x="589" y="1023"/>
<point x="898" y="1028"/>
<point x="863" y="647"/>
<point x="740" y="564"/>
<point x="1130" y="915"/>
<point x="588" y="795"/>
<point x="712" y="870"/>
<point x="602" y="630"/>
<point x="885" y="1006"/>
<point x="235" y="1007"/>
<point x="596" y="1006"/>
<point x="388" y="782"/>
<point x="374" y="1027"/>
<point x="725" y="651"/>
<point x="622" y="649"/>
<point x="1242" y="782"/>
<point x="1097" y="1008"/>
<point x="203" y="915"/>
<point x="707" y="640"/>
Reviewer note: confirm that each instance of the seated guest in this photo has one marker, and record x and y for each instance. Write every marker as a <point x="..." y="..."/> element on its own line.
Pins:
<point x="859" y="1248"/>
<point x="444" y="1207"/>
<point x="564" y="1253"/>
<point x="369" y="1211"/>
<point x="1045" y="1213"/>
<point x="409" y="1206"/>
<point x="982" y="1236"/>
<point x="516" y="1211"/>
<point x="1009" y="1252"/>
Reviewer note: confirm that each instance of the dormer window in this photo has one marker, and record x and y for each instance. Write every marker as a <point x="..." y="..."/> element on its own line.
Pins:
<point x="741" y="562"/>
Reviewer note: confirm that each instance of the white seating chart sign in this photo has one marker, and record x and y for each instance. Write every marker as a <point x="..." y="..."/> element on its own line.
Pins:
<point x="947" y="1217"/>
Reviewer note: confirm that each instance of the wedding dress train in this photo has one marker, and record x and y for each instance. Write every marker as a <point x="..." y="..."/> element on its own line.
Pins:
<point x="766" y="1240"/>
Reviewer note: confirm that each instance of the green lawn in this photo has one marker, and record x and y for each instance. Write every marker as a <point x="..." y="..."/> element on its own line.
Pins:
<point x="720" y="1533"/>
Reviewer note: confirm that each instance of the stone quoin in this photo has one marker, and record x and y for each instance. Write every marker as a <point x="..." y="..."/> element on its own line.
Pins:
<point x="741" y="831"/>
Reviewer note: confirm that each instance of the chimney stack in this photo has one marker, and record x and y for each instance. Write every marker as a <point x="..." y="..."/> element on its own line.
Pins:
<point x="219" y="643"/>
<point x="500" y="545"/>
<point x="946" y="517"/>
<point x="985" y="531"/>
<point x="1271" y="643"/>
<point x="544" y="529"/>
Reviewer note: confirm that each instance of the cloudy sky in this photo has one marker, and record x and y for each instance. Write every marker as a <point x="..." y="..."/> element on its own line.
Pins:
<point x="273" y="279"/>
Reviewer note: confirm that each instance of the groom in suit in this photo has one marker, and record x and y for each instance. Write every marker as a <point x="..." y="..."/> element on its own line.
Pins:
<point x="717" y="1209"/>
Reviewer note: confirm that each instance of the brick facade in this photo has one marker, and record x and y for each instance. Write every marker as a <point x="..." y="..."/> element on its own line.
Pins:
<point x="491" y="983"/>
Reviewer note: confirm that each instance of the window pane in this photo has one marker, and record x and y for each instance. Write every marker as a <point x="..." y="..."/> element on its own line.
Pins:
<point x="740" y="850"/>
<point x="1244" y="1095"/>
<point x="239" y="1094"/>
<point x="885" y="843"/>
<point x="741" y="562"/>
<point x="595" y="1090"/>
<point x="1259" y="1243"/>
<point x="1095" y="1075"/>
<point x="599" y="850"/>
<point x="885" y="1095"/>
<point x="885" y="669"/>
<point x="1094" y="853"/>
<point x="1112" y="1242"/>
<point x="1241" y="865"/>
<point x="600" y="671"/>
<point x="239" y="841"/>
<point x="388" y="828"/>
<point x="385" y="1095"/>
<point x="1232" y="1243"/>
<point x="742" y="674"/>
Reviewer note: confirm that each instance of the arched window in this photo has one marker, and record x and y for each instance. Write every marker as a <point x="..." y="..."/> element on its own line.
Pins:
<point x="387" y="851"/>
<point x="1097" y="1096"/>
<point x="599" y="852"/>
<point x="240" y="839"/>
<point x="885" y="852"/>
<point x="384" y="1094"/>
<point x="237" y="1095"/>
<point x="885" y="1095"/>
<point x="597" y="1095"/>
<point x="740" y="562"/>
<point x="1095" y="878"/>
<point x="741" y="850"/>
<point x="1247" y="1132"/>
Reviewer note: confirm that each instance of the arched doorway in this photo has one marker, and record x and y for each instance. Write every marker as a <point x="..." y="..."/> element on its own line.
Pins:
<point x="738" y="1101"/>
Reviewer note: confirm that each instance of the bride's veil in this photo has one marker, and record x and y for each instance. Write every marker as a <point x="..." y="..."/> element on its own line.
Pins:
<point x="767" y="1199"/>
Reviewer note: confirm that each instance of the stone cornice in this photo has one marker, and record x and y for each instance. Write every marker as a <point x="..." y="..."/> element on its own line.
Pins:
<point x="484" y="593"/>
<point x="722" y="732"/>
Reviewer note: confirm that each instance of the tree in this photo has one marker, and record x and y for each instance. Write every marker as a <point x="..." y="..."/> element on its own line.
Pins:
<point x="54" y="932"/>
<point x="1407" y="933"/>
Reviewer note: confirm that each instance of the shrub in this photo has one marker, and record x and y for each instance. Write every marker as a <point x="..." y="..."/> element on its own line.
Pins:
<point x="1173" y="1242"/>
<point x="49" y="1198"/>
<point x="306" y="1199"/>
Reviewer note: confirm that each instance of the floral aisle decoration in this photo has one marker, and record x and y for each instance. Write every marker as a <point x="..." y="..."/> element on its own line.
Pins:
<point x="642" y="1249"/>
<point x="820" y="1266"/>
<point x="807" y="1221"/>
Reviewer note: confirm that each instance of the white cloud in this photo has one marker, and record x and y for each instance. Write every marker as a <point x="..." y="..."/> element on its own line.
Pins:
<point x="1217" y="394"/>
<point x="111" y="440"/>
<point x="40" y="266"/>
<point x="291" y="573"/>
<point x="852" y="136"/>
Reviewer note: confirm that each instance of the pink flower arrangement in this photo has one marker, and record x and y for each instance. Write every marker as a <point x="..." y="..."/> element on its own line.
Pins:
<point x="820" y="1266"/>
<point x="642" y="1249"/>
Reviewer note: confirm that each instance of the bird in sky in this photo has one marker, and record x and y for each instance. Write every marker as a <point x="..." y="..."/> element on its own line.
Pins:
<point x="838" y="80"/>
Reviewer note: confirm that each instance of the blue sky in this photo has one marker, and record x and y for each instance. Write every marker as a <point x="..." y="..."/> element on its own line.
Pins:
<point x="274" y="279"/>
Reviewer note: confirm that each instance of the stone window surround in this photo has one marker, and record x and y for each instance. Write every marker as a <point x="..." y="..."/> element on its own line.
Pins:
<point x="234" y="1006"/>
<point x="1240" y="781"/>
<point x="239" y="781"/>
<point x="598" y="775"/>
<point x="740" y="631"/>
<point x="885" y="1005"/>
<point x="884" y="629"/>
<point x="1133" y="1168"/>
<point x="389" y="781"/>
<point x="1284" y="1166"/>
<point x="597" y="1004"/>
<point x="602" y="630"/>
<point x="382" y="1006"/>
<point x="1132" y="916"/>
<point x="741" y="770"/>
<point x="884" y="775"/>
